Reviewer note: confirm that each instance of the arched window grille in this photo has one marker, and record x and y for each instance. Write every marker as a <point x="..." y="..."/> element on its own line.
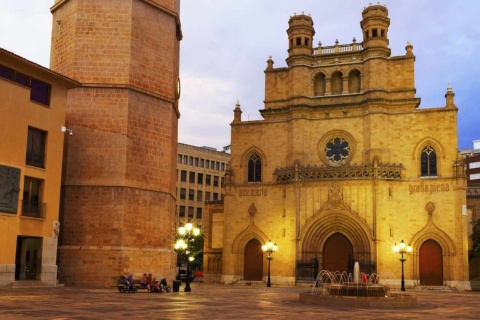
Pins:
<point x="428" y="162"/>
<point x="254" y="169"/>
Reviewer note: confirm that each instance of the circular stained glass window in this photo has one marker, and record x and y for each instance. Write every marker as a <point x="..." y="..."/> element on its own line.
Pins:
<point x="336" y="148"/>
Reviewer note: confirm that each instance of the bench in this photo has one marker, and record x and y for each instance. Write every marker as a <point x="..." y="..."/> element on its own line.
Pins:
<point x="136" y="283"/>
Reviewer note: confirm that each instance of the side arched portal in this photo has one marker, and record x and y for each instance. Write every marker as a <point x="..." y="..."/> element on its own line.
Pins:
<point x="431" y="264"/>
<point x="253" y="261"/>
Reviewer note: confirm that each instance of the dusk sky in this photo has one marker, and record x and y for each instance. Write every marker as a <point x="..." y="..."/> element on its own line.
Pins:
<point x="227" y="42"/>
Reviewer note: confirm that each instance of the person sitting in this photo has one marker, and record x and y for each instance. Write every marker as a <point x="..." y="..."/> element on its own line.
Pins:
<point x="149" y="282"/>
<point x="144" y="281"/>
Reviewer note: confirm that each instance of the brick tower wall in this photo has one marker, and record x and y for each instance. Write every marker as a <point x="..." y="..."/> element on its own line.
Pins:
<point x="118" y="212"/>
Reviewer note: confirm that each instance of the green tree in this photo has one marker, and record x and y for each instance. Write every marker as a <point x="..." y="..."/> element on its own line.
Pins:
<point x="475" y="236"/>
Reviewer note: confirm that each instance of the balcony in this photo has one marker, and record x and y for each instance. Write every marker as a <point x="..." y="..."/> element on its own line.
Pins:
<point x="34" y="210"/>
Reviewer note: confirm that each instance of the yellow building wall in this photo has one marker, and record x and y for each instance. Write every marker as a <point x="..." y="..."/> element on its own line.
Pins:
<point x="18" y="114"/>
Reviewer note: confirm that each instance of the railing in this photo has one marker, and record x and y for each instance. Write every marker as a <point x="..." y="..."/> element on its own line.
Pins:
<point x="365" y="171"/>
<point x="35" y="160"/>
<point x="34" y="210"/>
<point x="338" y="48"/>
<point x="307" y="270"/>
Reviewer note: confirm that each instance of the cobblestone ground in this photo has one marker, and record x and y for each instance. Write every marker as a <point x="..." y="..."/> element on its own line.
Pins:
<point x="210" y="301"/>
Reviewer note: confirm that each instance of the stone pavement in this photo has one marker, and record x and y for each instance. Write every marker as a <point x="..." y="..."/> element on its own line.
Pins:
<point x="214" y="301"/>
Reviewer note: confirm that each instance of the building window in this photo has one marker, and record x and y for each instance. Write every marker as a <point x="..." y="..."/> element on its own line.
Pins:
<point x="181" y="213"/>
<point x="207" y="196"/>
<point x="223" y="166"/>
<point x="337" y="83"/>
<point x="39" y="91"/>
<point x="319" y="85"/>
<point x="215" y="196"/>
<point x="212" y="165"/>
<point x="428" y="162"/>
<point x="207" y="164"/>
<point x="32" y="205"/>
<point x="202" y="163"/>
<point x="179" y="158"/>
<point x="185" y="159"/>
<point x="215" y="181"/>
<point x="199" y="213"/>
<point x="208" y="180"/>
<point x="192" y="177"/>
<point x="217" y="166"/>
<point x="190" y="212"/>
<point x="36" y="148"/>
<point x="196" y="162"/>
<point x="200" y="178"/>
<point x="222" y="182"/>
<point x="254" y="169"/>
<point x="199" y="195"/>
<point x="183" y="176"/>
<point x="354" y="82"/>
<point x="191" y="194"/>
<point x="191" y="161"/>
<point x="183" y="193"/>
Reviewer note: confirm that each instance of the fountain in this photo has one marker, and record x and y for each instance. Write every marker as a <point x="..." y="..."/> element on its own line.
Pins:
<point x="357" y="290"/>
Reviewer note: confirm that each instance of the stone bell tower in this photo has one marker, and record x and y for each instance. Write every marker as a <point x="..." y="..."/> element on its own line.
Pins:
<point x="118" y="187"/>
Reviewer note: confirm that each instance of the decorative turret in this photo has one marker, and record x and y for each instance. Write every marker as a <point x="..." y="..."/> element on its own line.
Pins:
<point x="269" y="64"/>
<point x="300" y="35"/>
<point x="375" y="23"/>
<point x="237" y="113"/>
<point x="449" y="97"/>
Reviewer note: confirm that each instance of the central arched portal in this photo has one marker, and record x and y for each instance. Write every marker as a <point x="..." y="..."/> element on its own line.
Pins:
<point x="337" y="252"/>
<point x="253" y="267"/>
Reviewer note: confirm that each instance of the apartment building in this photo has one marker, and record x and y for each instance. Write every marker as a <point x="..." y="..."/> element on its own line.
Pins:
<point x="200" y="177"/>
<point x="32" y="137"/>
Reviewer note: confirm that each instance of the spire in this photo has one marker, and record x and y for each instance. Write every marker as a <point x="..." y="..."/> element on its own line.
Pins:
<point x="269" y="64"/>
<point x="237" y="113"/>
<point x="449" y="97"/>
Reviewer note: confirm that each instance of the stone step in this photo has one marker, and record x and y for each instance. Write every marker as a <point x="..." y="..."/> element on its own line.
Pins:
<point x="435" y="288"/>
<point x="250" y="283"/>
<point x="33" y="284"/>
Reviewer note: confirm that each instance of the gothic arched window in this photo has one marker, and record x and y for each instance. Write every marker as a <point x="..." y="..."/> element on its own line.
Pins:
<point x="254" y="168"/>
<point x="428" y="162"/>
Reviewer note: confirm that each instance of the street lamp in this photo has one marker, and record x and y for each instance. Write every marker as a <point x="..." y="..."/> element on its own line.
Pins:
<point x="402" y="249"/>
<point x="186" y="234"/>
<point x="269" y="248"/>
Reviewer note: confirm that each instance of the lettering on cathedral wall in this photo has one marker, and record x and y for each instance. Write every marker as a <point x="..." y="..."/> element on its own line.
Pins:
<point x="252" y="192"/>
<point x="428" y="187"/>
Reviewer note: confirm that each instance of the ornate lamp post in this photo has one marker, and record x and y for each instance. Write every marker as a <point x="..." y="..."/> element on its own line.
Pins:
<point x="269" y="248"/>
<point x="186" y="234"/>
<point x="402" y="249"/>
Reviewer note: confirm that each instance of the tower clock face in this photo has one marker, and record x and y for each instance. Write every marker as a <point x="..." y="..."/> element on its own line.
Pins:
<point x="337" y="149"/>
<point x="178" y="88"/>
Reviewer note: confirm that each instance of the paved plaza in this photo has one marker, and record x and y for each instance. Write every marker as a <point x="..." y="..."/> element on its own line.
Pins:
<point x="213" y="301"/>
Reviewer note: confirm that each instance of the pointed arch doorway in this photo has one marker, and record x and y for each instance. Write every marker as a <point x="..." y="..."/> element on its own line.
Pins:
<point x="337" y="252"/>
<point x="253" y="261"/>
<point x="431" y="264"/>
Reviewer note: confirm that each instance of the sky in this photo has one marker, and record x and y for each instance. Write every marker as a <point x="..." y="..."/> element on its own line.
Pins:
<point x="226" y="44"/>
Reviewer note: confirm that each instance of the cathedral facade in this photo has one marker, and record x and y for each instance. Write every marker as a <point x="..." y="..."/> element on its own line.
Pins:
<point x="343" y="166"/>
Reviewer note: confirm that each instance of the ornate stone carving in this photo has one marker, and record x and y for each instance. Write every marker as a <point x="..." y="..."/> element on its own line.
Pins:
<point x="363" y="171"/>
<point x="55" y="229"/>
<point x="9" y="188"/>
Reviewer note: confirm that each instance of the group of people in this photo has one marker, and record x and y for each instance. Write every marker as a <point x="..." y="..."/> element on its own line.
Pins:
<point x="153" y="285"/>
